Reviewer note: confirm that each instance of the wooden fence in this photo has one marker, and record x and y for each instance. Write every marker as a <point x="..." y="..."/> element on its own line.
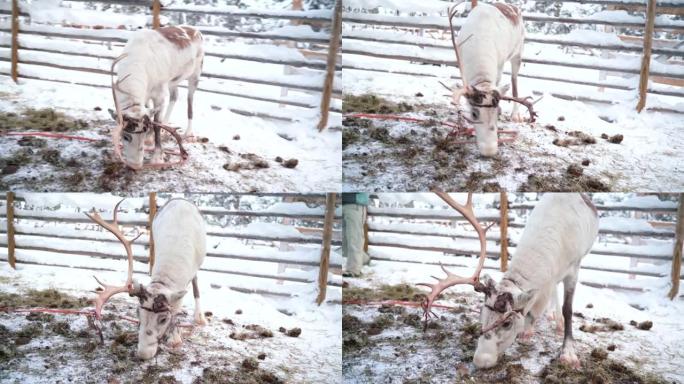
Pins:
<point x="424" y="40"/>
<point x="73" y="52"/>
<point x="280" y="249"/>
<point x="636" y="240"/>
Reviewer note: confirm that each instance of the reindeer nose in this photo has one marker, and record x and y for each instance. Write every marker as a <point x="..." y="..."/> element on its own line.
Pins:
<point x="484" y="360"/>
<point x="488" y="150"/>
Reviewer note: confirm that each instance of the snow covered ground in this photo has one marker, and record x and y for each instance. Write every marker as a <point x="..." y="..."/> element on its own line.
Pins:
<point x="57" y="249"/>
<point x="266" y="108"/>
<point x="231" y="139"/>
<point x="403" y="352"/>
<point x="403" y="65"/>
<point x="385" y="342"/>
<point x="312" y="357"/>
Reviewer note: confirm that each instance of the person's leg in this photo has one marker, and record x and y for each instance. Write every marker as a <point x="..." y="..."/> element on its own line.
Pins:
<point x="353" y="238"/>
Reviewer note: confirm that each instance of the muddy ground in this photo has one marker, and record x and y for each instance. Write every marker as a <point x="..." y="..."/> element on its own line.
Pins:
<point x="387" y="155"/>
<point x="387" y="344"/>
<point x="40" y="347"/>
<point x="49" y="164"/>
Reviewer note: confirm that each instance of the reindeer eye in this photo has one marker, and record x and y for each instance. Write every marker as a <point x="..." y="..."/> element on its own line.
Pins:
<point x="162" y="320"/>
<point x="475" y="114"/>
<point x="127" y="138"/>
<point x="507" y="324"/>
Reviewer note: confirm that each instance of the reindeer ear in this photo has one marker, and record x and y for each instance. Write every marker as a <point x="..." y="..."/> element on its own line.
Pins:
<point x="488" y="285"/>
<point x="503" y="89"/>
<point x="523" y="300"/>
<point x="177" y="296"/>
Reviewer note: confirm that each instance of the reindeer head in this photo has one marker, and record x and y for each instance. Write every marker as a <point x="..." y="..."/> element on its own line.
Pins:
<point x="133" y="134"/>
<point x="157" y="315"/>
<point x="502" y="320"/>
<point x="483" y="114"/>
<point x="134" y="125"/>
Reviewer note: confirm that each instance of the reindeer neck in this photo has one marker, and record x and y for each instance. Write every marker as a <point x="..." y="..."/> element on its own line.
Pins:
<point x="132" y="90"/>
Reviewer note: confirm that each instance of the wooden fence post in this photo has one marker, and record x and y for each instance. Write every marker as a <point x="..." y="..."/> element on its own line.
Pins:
<point x="334" y="46"/>
<point x="677" y="255"/>
<point x="15" y="40"/>
<point x="11" y="257"/>
<point x="153" y="212"/>
<point x="503" y="230"/>
<point x="646" y="59"/>
<point x="325" y="252"/>
<point x="156" y="8"/>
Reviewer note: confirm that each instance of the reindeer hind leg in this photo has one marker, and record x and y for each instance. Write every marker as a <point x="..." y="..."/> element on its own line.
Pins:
<point x="173" y="96"/>
<point x="568" y="355"/>
<point x="199" y="316"/>
<point x="192" y="87"/>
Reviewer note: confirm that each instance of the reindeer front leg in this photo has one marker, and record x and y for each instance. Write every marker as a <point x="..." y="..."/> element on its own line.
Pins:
<point x="515" y="67"/>
<point x="192" y="87"/>
<point x="159" y="108"/>
<point x="568" y="355"/>
<point x="199" y="316"/>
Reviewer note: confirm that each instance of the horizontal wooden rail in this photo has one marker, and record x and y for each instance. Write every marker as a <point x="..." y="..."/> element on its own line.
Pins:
<point x="368" y="51"/>
<point x="612" y="208"/>
<point x="144" y="260"/>
<point x="562" y="79"/>
<point x="447" y="263"/>
<point x="550" y="40"/>
<point x="511" y="248"/>
<point x="442" y="24"/>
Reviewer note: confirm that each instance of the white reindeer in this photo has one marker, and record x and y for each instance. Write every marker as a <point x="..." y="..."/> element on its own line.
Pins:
<point x="180" y="247"/>
<point x="560" y="231"/>
<point x="490" y="36"/>
<point x="153" y="64"/>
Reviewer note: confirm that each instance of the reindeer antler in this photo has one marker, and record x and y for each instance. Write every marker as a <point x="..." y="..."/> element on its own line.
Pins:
<point x="526" y="101"/>
<point x="452" y="279"/>
<point x="110" y="290"/>
<point x="119" y="116"/>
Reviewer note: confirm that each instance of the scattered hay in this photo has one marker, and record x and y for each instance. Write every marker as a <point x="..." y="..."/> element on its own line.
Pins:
<point x="403" y="292"/>
<point x="249" y="161"/>
<point x="252" y="331"/>
<point x="350" y="136"/>
<point x="61" y="328"/>
<point x="597" y="368"/>
<point x="241" y="376"/>
<point x="575" y="170"/>
<point x="354" y="336"/>
<point x="46" y="119"/>
<point x="372" y="104"/>
<point x="552" y="183"/>
<point x="47" y="298"/>
<point x="470" y="332"/>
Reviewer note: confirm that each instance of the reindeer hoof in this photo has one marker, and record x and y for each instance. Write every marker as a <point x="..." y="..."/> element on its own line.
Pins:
<point x="157" y="158"/>
<point x="570" y="360"/>
<point x="200" y="320"/>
